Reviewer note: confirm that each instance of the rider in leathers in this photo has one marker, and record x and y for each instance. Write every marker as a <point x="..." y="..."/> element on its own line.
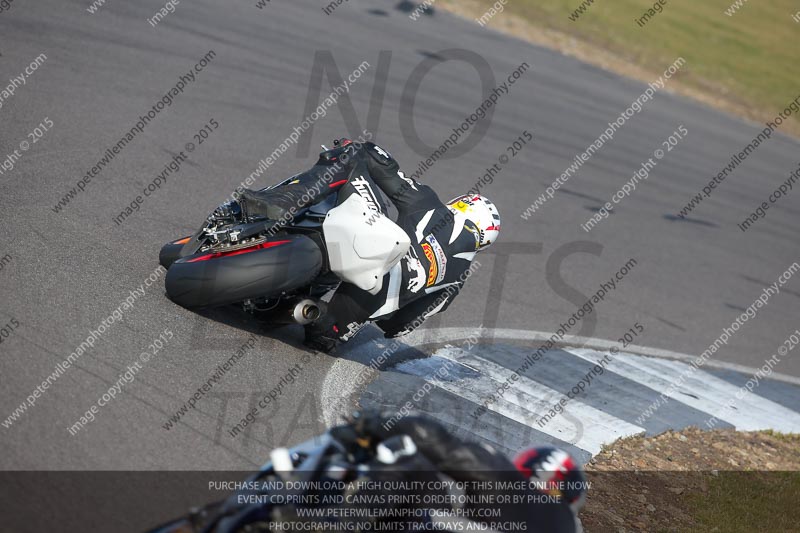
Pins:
<point x="444" y="240"/>
<point x="485" y="472"/>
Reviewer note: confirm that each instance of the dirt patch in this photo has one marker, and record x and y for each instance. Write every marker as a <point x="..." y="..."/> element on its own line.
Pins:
<point x="695" y="480"/>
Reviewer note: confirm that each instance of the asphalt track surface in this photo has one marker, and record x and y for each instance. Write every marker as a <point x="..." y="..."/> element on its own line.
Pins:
<point x="70" y="270"/>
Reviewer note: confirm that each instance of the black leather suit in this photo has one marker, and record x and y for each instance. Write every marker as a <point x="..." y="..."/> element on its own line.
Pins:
<point x="429" y="276"/>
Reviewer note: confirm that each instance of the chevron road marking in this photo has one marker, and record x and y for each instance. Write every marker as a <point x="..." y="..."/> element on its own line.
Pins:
<point x="474" y="378"/>
<point x="444" y="335"/>
<point x="525" y="401"/>
<point x="700" y="390"/>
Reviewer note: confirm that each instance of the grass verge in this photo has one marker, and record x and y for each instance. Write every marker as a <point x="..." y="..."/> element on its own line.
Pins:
<point x="696" y="481"/>
<point x="745" y="63"/>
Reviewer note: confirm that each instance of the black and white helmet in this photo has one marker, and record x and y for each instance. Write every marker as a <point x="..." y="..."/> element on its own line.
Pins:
<point x="482" y="212"/>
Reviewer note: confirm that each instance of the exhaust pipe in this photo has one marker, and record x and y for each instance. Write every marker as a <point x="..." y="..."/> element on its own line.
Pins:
<point x="307" y="311"/>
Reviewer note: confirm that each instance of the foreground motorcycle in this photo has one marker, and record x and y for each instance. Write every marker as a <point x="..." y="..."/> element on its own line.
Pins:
<point x="360" y="477"/>
<point x="282" y="268"/>
<point x="317" y="472"/>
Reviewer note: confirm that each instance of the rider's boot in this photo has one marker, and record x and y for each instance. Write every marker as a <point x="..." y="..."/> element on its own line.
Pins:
<point x="322" y="335"/>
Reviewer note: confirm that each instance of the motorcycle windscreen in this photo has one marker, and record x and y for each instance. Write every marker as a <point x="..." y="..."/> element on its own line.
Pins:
<point x="363" y="243"/>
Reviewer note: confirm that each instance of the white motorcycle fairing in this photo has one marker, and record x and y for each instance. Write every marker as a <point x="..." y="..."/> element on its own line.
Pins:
<point x="363" y="244"/>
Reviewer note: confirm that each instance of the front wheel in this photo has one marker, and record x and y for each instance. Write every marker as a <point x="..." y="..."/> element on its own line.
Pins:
<point x="216" y="278"/>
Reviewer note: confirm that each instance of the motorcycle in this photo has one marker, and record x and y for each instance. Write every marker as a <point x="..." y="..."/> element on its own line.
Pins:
<point x="318" y="470"/>
<point x="282" y="268"/>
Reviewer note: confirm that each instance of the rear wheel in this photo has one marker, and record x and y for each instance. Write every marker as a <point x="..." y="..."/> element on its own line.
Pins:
<point x="261" y="270"/>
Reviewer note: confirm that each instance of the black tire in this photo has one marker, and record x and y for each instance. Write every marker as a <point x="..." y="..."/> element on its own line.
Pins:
<point x="281" y="264"/>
